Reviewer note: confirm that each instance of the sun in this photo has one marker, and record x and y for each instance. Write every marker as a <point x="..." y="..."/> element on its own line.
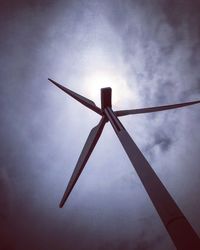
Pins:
<point x="106" y="78"/>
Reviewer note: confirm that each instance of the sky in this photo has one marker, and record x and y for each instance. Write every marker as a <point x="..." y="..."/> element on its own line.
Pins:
<point x="148" y="52"/>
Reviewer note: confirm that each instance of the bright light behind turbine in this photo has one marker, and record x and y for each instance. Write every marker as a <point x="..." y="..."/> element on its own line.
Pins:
<point x="107" y="78"/>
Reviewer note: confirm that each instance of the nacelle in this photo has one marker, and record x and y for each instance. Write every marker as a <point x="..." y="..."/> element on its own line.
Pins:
<point x="106" y="95"/>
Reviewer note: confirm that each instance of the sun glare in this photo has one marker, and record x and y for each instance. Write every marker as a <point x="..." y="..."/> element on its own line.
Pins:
<point x="105" y="78"/>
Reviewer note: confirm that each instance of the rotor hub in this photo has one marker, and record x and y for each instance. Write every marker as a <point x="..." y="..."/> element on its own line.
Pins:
<point x="106" y="98"/>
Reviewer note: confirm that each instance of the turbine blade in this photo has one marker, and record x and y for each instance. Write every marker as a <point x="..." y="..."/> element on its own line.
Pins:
<point x="154" y="109"/>
<point x="84" y="156"/>
<point x="86" y="102"/>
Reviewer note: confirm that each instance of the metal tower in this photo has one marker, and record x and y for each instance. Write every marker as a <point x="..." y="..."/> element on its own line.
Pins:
<point x="181" y="232"/>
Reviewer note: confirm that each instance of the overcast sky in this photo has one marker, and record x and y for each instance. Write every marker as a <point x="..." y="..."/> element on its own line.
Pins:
<point x="148" y="52"/>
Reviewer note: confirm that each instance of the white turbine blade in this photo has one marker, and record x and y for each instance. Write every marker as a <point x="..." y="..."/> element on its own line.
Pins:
<point x="84" y="156"/>
<point x="154" y="109"/>
<point x="86" y="102"/>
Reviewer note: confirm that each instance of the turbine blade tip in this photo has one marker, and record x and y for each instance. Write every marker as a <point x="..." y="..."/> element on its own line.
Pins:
<point x="61" y="204"/>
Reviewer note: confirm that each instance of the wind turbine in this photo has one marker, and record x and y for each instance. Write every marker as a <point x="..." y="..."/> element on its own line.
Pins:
<point x="178" y="227"/>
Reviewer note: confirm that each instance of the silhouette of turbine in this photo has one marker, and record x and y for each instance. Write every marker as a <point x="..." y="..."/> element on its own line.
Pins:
<point x="181" y="232"/>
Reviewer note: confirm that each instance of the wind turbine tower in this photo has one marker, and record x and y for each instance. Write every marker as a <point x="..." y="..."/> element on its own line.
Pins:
<point x="179" y="229"/>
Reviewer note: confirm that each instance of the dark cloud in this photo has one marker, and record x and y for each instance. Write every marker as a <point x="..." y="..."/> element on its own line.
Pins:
<point x="154" y="47"/>
<point x="161" y="140"/>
